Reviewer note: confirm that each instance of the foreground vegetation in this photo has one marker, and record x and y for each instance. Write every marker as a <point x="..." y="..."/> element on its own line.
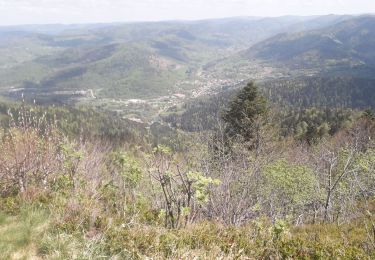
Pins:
<point x="32" y="234"/>
<point x="244" y="188"/>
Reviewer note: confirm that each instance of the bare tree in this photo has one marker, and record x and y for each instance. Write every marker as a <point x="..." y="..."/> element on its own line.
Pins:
<point x="30" y="152"/>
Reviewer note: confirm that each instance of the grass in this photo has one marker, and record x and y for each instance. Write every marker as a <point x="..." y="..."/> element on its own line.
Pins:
<point x="19" y="234"/>
<point x="32" y="233"/>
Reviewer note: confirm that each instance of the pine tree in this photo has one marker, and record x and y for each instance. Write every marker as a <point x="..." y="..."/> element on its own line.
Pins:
<point x="244" y="112"/>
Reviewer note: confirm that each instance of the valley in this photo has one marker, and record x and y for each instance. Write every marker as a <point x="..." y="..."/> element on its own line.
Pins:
<point x="164" y="64"/>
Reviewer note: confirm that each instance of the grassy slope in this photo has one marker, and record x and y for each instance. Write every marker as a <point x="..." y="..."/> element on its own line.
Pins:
<point x="31" y="234"/>
<point x="20" y="234"/>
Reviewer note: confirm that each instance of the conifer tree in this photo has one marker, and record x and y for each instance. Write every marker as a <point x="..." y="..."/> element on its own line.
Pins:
<point x="244" y="112"/>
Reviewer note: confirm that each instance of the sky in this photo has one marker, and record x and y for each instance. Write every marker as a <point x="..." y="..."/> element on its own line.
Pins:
<point x="103" y="11"/>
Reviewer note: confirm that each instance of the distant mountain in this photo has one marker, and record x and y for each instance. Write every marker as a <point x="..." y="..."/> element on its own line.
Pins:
<point x="50" y="29"/>
<point x="134" y="60"/>
<point x="349" y="44"/>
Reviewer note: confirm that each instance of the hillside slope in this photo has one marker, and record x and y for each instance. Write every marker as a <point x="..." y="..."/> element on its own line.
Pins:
<point x="350" y="43"/>
<point x="137" y="60"/>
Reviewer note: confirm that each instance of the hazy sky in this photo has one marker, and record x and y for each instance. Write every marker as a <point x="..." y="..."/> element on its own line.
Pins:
<point x="87" y="11"/>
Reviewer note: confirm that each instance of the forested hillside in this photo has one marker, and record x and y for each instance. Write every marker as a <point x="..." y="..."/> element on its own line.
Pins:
<point x="322" y="91"/>
<point x="347" y="43"/>
<point x="140" y="60"/>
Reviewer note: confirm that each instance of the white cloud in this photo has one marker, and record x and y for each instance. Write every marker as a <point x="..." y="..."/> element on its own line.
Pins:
<point x="85" y="11"/>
